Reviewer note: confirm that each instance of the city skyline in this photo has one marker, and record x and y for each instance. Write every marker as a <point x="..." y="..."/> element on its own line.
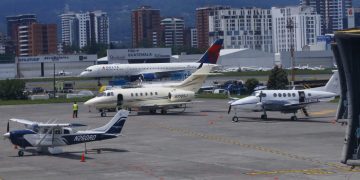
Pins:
<point x="119" y="12"/>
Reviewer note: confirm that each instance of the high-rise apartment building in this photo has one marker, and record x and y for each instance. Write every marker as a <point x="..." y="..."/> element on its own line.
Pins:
<point x="333" y="13"/>
<point x="36" y="39"/>
<point x="193" y="37"/>
<point x="13" y="22"/>
<point x="298" y="26"/>
<point x="145" y="23"/>
<point x="173" y="31"/>
<point x="242" y="28"/>
<point x="202" y="24"/>
<point x="81" y="29"/>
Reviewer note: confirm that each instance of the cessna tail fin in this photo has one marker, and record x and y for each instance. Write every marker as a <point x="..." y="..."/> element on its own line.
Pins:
<point x="115" y="125"/>
<point x="212" y="54"/>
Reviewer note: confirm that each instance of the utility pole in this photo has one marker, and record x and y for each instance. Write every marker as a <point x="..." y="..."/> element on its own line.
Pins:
<point x="290" y="27"/>
<point x="54" y="94"/>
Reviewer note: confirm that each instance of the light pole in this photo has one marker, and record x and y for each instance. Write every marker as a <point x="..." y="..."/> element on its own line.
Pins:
<point x="290" y="27"/>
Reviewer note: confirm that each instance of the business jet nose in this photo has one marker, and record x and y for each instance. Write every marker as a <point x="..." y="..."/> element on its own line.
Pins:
<point x="83" y="74"/>
<point x="89" y="102"/>
<point x="7" y="135"/>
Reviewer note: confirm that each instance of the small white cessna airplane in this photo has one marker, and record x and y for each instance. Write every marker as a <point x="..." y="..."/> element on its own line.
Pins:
<point x="285" y="101"/>
<point x="48" y="137"/>
<point x="153" y="98"/>
<point x="143" y="69"/>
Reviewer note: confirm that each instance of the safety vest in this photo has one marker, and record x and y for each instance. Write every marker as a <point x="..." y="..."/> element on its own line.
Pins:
<point x="75" y="107"/>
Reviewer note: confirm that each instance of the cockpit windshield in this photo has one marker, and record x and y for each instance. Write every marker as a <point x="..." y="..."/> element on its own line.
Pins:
<point x="106" y="93"/>
<point x="88" y="70"/>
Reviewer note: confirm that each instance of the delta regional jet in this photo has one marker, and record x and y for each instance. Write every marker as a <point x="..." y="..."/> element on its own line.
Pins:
<point x="143" y="69"/>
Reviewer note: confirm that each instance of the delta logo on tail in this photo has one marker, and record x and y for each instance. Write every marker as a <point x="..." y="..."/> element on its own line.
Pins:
<point x="212" y="54"/>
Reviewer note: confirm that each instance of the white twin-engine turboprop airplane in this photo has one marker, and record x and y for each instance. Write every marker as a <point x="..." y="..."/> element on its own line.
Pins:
<point x="48" y="137"/>
<point x="285" y="101"/>
<point x="142" y="69"/>
<point x="153" y="98"/>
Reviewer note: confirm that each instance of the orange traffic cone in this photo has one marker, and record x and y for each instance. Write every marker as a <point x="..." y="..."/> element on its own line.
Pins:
<point x="82" y="157"/>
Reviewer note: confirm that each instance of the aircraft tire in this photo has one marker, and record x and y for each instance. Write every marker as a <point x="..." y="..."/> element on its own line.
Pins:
<point x="163" y="111"/>
<point x="21" y="153"/>
<point x="263" y="116"/>
<point x="152" y="111"/>
<point x="294" y="118"/>
<point x="235" y="119"/>
<point x="103" y="114"/>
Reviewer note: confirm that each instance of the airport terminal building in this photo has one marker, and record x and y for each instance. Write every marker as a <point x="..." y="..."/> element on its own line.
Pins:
<point x="43" y="65"/>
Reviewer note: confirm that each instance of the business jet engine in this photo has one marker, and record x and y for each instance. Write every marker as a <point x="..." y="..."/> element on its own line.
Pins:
<point x="180" y="95"/>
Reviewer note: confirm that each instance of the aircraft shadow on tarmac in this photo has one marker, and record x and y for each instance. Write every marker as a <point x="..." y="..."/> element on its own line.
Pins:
<point x="75" y="155"/>
<point x="276" y="120"/>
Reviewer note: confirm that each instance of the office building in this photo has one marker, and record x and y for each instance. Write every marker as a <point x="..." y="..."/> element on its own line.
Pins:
<point x="298" y="26"/>
<point x="242" y="28"/>
<point x="173" y="31"/>
<point x="145" y="23"/>
<point x="202" y="24"/>
<point x="36" y="39"/>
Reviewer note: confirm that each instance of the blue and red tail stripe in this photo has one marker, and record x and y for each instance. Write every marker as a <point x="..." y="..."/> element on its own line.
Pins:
<point x="212" y="54"/>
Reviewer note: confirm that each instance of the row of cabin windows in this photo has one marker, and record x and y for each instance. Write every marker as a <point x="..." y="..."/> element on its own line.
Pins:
<point x="288" y="94"/>
<point x="142" y="94"/>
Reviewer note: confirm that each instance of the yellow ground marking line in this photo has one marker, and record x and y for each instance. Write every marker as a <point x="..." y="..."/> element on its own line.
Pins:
<point x="336" y="166"/>
<point x="289" y="171"/>
<point x="323" y="112"/>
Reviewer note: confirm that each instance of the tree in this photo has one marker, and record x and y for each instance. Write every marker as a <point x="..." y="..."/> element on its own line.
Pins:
<point x="11" y="89"/>
<point x="278" y="78"/>
<point x="251" y="84"/>
<point x="95" y="48"/>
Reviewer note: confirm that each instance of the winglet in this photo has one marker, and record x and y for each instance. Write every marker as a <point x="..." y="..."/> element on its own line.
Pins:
<point x="212" y="54"/>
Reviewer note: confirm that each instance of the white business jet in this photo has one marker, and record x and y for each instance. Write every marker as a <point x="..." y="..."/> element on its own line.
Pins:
<point x="285" y="101"/>
<point x="153" y="98"/>
<point x="145" y="69"/>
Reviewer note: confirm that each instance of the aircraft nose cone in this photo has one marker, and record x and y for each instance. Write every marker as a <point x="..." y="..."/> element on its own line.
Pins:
<point x="82" y="74"/>
<point x="7" y="135"/>
<point x="245" y="101"/>
<point x="89" y="102"/>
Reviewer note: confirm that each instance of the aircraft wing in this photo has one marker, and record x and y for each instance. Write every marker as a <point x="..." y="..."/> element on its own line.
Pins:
<point x="23" y="121"/>
<point x="164" y="104"/>
<point x="27" y="122"/>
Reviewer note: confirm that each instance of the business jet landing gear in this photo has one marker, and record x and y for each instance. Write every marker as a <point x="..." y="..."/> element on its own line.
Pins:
<point x="294" y="118"/>
<point x="103" y="114"/>
<point x="163" y="111"/>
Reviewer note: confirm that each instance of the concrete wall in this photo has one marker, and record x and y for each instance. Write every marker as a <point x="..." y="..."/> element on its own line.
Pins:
<point x="7" y="71"/>
<point x="311" y="58"/>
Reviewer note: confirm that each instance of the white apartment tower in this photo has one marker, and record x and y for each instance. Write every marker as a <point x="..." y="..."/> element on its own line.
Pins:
<point x="81" y="29"/>
<point x="173" y="31"/>
<point x="193" y="37"/>
<point x="333" y="13"/>
<point x="306" y="27"/>
<point x="242" y="28"/>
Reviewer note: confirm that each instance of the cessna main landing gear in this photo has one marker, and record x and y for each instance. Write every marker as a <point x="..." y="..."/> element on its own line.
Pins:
<point x="235" y="119"/>
<point x="264" y="116"/>
<point x="21" y="153"/>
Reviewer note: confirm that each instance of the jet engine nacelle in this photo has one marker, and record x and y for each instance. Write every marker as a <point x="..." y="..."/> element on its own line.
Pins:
<point x="149" y="76"/>
<point x="177" y="96"/>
